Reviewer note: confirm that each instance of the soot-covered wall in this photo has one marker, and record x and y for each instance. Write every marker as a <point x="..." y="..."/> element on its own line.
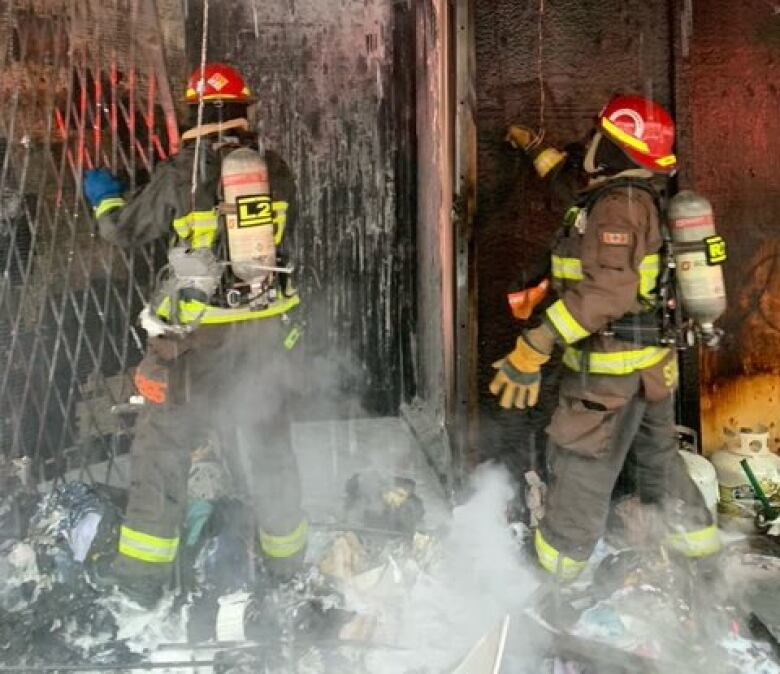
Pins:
<point x="590" y="49"/>
<point x="730" y="99"/>
<point x="335" y="83"/>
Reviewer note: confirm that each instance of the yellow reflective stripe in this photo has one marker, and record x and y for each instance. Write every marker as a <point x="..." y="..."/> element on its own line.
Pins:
<point x="108" y="205"/>
<point x="182" y="227"/>
<point x="565" y="324"/>
<point x="668" y="160"/>
<point x="192" y="311"/>
<point x="650" y="262"/>
<point x="553" y="562"/>
<point x="617" y="363"/>
<point x="285" y="546"/>
<point x="203" y="235"/>
<point x="200" y="224"/>
<point x="147" y="548"/>
<point x="699" y="543"/>
<point x="567" y="268"/>
<point x="648" y="274"/>
<point x="280" y="220"/>
<point x="618" y="134"/>
<point x="570" y="269"/>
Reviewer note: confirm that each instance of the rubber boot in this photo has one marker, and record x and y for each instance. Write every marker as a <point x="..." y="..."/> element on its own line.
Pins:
<point x="280" y="570"/>
<point x="124" y="576"/>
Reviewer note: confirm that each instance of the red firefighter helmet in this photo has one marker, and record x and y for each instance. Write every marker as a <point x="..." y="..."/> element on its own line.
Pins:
<point x="220" y="83"/>
<point x="642" y="129"/>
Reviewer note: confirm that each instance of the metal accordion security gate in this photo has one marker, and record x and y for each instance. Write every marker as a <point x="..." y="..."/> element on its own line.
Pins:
<point x="83" y="85"/>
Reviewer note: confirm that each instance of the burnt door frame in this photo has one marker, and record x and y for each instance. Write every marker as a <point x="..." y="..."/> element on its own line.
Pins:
<point x="462" y="410"/>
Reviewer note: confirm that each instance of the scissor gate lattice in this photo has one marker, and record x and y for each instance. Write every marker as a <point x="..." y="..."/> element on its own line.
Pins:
<point x="83" y="85"/>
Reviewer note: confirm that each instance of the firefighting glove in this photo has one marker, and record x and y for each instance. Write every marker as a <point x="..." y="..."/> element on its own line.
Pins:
<point x="530" y="142"/>
<point x="519" y="374"/>
<point x="523" y="302"/>
<point x="99" y="184"/>
<point x="522" y="138"/>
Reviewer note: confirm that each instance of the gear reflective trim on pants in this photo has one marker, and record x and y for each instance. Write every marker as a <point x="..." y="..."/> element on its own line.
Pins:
<point x="147" y="548"/>
<point x="619" y="362"/>
<point x="699" y="543"/>
<point x="553" y="562"/>
<point x="108" y="205"/>
<point x="565" y="324"/>
<point x="567" y="268"/>
<point x="281" y="547"/>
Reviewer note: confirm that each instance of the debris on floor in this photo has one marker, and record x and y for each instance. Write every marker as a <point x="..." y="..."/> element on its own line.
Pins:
<point x="382" y="594"/>
<point x="668" y="614"/>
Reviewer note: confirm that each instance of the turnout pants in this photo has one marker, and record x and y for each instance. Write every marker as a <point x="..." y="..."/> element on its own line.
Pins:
<point x="234" y="380"/>
<point x="600" y="422"/>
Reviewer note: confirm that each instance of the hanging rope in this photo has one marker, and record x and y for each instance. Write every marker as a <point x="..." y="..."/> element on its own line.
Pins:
<point x="201" y="89"/>
<point x="540" y="61"/>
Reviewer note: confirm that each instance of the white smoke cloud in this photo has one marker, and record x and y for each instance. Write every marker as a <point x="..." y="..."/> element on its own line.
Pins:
<point x="478" y="580"/>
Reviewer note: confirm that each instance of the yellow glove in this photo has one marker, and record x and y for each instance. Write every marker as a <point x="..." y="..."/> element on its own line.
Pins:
<point x="522" y="138"/>
<point x="518" y="378"/>
<point x="529" y="141"/>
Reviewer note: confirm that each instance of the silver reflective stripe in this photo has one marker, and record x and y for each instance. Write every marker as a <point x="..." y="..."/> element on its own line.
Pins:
<point x="147" y="548"/>
<point x="567" y="268"/>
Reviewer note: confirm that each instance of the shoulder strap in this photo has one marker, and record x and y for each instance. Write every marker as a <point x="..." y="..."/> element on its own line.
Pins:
<point x="636" y="183"/>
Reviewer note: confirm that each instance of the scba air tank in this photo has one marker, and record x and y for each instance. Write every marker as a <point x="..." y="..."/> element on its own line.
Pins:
<point x="250" y="229"/>
<point x="699" y="255"/>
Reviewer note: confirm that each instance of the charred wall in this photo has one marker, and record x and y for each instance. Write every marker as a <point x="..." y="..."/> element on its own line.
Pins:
<point x="428" y="414"/>
<point x="589" y="50"/>
<point x="730" y="97"/>
<point x="335" y="83"/>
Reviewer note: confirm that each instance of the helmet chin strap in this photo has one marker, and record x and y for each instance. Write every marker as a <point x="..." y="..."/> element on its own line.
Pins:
<point x="589" y="163"/>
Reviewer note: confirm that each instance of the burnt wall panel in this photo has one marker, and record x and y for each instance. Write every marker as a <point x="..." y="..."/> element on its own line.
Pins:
<point x="589" y="50"/>
<point x="335" y="83"/>
<point x="731" y="96"/>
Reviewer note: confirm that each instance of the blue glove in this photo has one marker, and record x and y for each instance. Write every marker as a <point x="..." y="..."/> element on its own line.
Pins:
<point x="99" y="184"/>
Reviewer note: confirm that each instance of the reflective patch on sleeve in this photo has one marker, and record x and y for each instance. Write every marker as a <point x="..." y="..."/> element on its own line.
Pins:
<point x="565" y="324"/>
<point x="615" y="238"/>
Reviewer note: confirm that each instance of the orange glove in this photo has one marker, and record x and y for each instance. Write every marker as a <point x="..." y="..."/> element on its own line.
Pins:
<point x="519" y="375"/>
<point x="523" y="302"/>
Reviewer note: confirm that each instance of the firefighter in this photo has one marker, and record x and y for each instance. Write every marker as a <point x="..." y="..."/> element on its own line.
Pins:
<point x="214" y="361"/>
<point x="615" y="400"/>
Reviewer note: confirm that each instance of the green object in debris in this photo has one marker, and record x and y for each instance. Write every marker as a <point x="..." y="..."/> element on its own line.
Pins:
<point x="198" y="513"/>
<point x="754" y="483"/>
<point x="767" y="514"/>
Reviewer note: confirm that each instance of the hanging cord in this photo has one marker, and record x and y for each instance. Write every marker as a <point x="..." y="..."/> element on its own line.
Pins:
<point x="201" y="89"/>
<point x="540" y="71"/>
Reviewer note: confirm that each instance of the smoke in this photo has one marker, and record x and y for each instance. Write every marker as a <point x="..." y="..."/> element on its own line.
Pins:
<point x="478" y="579"/>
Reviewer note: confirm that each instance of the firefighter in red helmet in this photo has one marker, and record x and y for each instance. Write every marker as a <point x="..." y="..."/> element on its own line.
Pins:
<point x="221" y="333"/>
<point x="220" y="84"/>
<point x="615" y="401"/>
